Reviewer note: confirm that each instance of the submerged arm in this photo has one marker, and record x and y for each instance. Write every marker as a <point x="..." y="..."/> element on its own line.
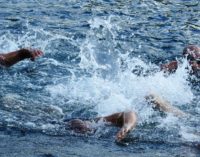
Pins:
<point x="164" y="105"/>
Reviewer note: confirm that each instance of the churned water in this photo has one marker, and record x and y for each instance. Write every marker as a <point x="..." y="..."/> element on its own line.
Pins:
<point x="100" y="57"/>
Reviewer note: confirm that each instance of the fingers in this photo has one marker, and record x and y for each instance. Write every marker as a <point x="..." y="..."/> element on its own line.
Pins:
<point x="122" y="134"/>
<point x="35" y="53"/>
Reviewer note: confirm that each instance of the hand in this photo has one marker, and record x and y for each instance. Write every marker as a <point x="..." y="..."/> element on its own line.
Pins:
<point x="122" y="133"/>
<point x="31" y="53"/>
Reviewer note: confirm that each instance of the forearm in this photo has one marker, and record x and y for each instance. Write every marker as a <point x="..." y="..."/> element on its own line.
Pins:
<point x="163" y="105"/>
<point x="115" y="119"/>
<point x="12" y="58"/>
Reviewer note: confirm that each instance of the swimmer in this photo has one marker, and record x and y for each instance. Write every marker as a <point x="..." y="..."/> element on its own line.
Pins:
<point x="14" y="57"/>
<point x="125" y="120"/>
<point x="192" y="54"/>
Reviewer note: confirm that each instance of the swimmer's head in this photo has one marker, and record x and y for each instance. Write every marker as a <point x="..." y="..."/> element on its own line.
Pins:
<point x="192" y="53"/>
<point x="79" y="126"/>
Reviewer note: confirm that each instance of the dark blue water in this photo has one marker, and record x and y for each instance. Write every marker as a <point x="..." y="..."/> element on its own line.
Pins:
<point x="100" y="57"/>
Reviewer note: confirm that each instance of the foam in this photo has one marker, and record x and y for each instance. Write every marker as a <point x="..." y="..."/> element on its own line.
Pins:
<point x="106" y="81"/>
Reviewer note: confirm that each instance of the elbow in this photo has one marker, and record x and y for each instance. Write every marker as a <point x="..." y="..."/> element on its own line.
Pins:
<point x="130" y="118"/>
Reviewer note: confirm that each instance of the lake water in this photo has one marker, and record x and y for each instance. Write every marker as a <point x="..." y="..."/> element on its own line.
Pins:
<point x="100" y="57"/>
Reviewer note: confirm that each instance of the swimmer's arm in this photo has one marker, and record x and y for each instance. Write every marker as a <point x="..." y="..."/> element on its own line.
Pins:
<point x="113" y="118"/>
<point x="125" y="120"/>
<point x="129" y="120"/>
<point x="169" y="67"/>
<point x="164" y="105"/>
<point x="14" y="57"/>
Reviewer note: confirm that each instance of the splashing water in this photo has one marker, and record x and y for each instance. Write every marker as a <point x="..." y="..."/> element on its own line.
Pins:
<point x="99" y="65"/>
<point x="111" y="88"/>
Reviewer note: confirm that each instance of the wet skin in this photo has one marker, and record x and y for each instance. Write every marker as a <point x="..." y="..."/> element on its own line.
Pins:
<point x="14" y="57"/>
<point x="125" y="120"/>
<point x="192" y="54"/>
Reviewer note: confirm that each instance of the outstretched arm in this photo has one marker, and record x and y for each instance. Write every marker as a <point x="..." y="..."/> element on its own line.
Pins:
<point x="125" y="120"/>
<point x="164" y="105"/>
<point x="14" y="57"/>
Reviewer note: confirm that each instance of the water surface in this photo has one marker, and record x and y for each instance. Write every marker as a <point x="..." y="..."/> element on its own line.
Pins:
<point x="100" y="57"/>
